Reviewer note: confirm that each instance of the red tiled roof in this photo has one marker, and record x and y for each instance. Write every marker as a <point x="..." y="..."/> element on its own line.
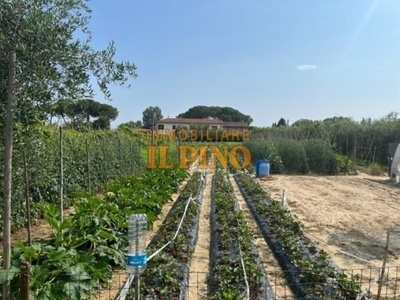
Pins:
<point x="190" y="121"/>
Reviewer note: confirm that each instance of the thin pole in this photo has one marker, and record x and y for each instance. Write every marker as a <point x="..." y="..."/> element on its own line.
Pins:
<point x="137" y="277"/>
<point x="88" y="167"/>
<point x="61" y="177"/>
<point x="373" y="157"/>
<point x="28" y="202"/>
<point x="378" y="296"/>
<point x="105" y="164"/>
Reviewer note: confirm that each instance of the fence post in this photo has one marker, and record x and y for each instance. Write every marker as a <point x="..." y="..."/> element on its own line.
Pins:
<point x="24" y="281"/>
<point x="378" y="296"/>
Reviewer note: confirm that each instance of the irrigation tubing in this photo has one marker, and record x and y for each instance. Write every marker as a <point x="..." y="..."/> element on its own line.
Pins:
<point x="125" y="289"/>
<point x="298" y="289"/>
<point x="238" y="209"/>
<point x="268" y="292"/>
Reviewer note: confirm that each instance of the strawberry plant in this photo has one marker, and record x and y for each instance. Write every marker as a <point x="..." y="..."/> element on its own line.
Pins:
<point x="311" y="269"/>
<point x="232" y="242"/>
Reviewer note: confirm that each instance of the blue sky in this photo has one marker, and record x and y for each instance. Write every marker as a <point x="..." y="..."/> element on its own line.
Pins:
<point x="248" y="55"/>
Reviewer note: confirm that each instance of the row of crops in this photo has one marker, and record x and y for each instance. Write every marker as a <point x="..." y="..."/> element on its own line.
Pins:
<point x="87" y="246"/>
<point x="235" y="269"/>
<point x="309" y="271"/>
<point x="88" y="159"/>
<point x="167" y="273"/>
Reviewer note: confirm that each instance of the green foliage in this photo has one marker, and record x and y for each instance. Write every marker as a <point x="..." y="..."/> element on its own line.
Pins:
<point x="294" y="156"/>
<point x="131" y="124"/>
<point x="346" y="164"/>
<point x="226" y="114"/>
<point x="234" y="242"/>
<point x="59" y="67"/>
<point x="151" y="116"/>
<point x="111" y="154"/>
<point x="321" y="158"/>
<point x="261" y="149"/>
<point x="89" y="244"/>
<point x="164" y="274"/>
<point x="371" y="137"/>
<point x="78" y="114"/>
<point x="376" y="169"/>
<point x="291" y="156"/>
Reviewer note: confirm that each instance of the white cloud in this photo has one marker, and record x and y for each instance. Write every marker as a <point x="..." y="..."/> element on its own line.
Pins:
<point x="307" y="67"/>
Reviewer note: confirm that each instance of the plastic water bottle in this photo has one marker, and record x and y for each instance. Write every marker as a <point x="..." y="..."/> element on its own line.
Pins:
<point x="137" y="233"/>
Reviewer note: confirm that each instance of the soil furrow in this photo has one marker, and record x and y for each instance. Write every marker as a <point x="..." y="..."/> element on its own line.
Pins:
<point x="199" y="266"/>
<point x="274" y="273"/>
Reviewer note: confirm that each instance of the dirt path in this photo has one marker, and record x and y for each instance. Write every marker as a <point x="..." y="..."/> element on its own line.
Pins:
<point x="272" y="269"/>
<point x="199" y="266"/>
<point x="345" y="214"/>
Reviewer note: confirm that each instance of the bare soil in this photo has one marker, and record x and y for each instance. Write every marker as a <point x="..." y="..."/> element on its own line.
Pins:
<point x="271" y="266"/>
<point x="40" y="230"/>
<point x="347" y="215"/>
<point x="200" y="261"/>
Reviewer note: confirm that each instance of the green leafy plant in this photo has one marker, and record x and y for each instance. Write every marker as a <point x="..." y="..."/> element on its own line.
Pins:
<point x="165" y="282"/>
<point x="315" y="268"/>
<point x="234" y="243"/>
<point x="88" y="245"/>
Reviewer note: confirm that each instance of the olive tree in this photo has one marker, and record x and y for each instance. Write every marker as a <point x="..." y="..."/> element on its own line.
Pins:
<point x="41" y="63"/>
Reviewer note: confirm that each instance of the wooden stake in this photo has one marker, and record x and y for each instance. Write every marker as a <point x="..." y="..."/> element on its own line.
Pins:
<point x="378" y="296"/>
<point x="24" y="281"/>
<point x="27" y="199"/>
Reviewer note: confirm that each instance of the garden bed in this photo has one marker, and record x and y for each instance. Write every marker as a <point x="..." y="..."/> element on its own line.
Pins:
<point x="167" y="273"/>
<point x="88" y="245"/>
<point x="234" y="261"/>
<point x="309" y="271"/>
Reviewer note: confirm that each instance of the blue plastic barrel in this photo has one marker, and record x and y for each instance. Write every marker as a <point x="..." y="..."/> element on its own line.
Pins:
<point x="263" y="168"/>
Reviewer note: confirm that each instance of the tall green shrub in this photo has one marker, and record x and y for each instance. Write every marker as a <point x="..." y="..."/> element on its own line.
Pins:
<point x="321" y="158"/>
<point x="293" y="155"/>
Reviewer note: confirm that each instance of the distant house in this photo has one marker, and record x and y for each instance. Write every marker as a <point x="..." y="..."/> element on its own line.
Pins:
<point x="169" y="124"/>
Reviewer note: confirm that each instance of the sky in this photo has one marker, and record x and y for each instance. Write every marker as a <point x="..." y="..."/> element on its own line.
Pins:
<point x="308" y="59"/>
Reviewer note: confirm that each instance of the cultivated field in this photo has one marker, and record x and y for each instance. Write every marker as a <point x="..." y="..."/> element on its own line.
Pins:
<point x="347" y="215"/>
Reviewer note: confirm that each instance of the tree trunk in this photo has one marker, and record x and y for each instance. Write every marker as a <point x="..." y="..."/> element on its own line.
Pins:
<point x="8" y="150"/>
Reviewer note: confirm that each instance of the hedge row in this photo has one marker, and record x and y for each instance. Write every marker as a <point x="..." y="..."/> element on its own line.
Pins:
<point x="292" y="156"/>
<point x="105" y="155"/>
